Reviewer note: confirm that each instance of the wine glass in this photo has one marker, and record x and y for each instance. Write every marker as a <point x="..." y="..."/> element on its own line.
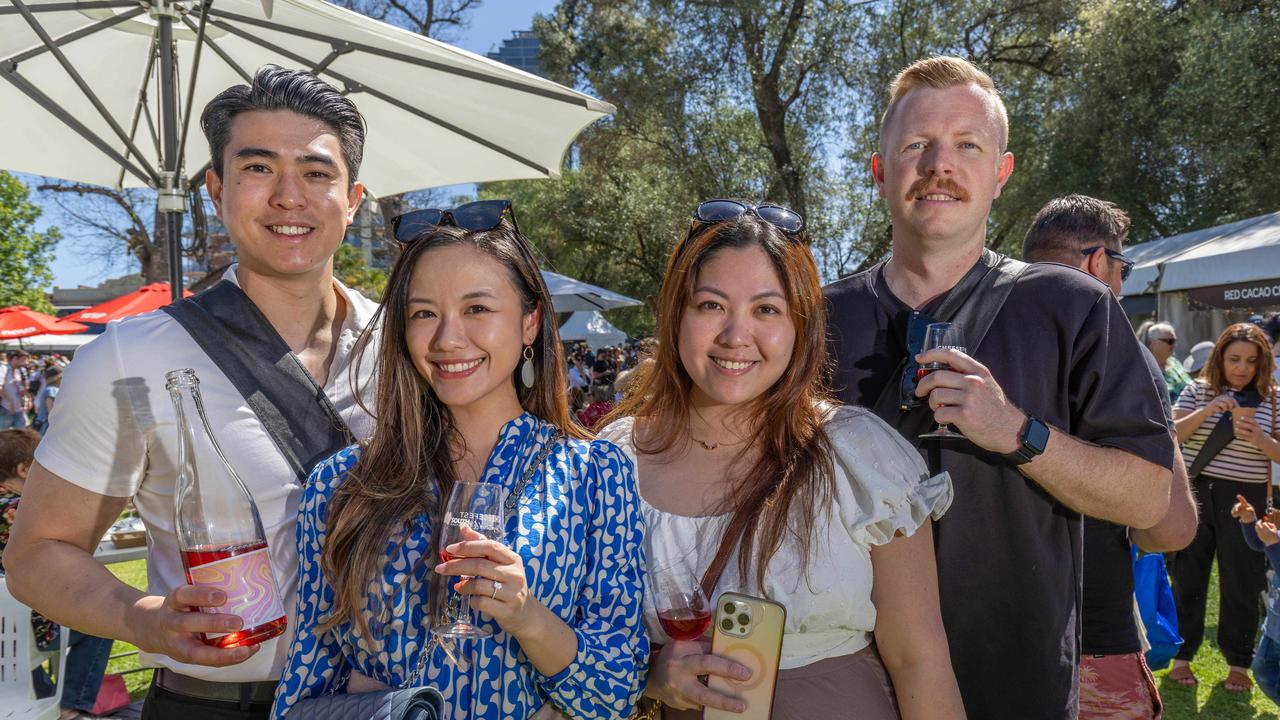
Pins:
<point x="683" y="610"/>
<point x="477" y="506"/>
<point x="938" y="336"/>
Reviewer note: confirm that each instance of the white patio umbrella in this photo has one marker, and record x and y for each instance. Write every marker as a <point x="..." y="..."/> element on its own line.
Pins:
<point x="106" y="91"/>
<point x="569" y="295"/>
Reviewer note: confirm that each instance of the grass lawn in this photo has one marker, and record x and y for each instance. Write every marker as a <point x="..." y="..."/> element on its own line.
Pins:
<point x="133" y="573"/>
<point x="1209" y="700"/>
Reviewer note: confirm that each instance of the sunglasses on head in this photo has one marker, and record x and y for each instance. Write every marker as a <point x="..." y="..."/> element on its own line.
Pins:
<point x="714" y="211"/>
<point x="1126" y="263"/>
<point x="473" y="216"/>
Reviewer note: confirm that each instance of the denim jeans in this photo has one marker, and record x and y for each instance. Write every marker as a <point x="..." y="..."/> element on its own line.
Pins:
<point x="1266" y="668"/>
<point x="16" y="420"/>
<point x="86" y="663"/>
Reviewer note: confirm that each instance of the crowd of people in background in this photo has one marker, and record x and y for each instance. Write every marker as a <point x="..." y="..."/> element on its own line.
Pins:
<point x="598" y="379"/>
<point x="28" y="385"/>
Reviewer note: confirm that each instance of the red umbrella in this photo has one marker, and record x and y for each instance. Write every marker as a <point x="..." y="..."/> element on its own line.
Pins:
<point x="143" y="300"/>
<point x="19" y="321"/>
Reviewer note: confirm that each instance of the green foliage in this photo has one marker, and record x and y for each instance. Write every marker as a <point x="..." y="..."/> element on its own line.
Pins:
<point x="715" y="99"/>
<point x="349" y="267"/>
<point x="1166" y="108"/>
<point x="25" y="254"/>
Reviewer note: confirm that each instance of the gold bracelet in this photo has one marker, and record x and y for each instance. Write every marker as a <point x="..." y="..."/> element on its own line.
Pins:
<point x="649" y="713"/>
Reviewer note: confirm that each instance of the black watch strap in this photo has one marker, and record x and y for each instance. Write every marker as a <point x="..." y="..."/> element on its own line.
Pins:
<point x="1031" y="442"/>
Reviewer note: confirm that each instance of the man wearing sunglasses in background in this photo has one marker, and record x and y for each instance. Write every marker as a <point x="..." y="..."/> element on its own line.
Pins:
<point x="285" y="153"/>
<point x="1035" y="396"/>
<point x="1115" y="682"/>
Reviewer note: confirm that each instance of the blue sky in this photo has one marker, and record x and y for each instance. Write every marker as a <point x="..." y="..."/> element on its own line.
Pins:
<point x="492" y="22"/>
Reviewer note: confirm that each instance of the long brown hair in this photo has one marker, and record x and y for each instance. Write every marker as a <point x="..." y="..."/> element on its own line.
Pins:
<point x="1214" y="374"/>
<point x="414" y="439"/>
<point x="795" y="471"/>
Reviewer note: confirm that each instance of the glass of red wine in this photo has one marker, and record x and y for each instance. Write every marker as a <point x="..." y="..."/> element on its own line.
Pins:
<point x="940" y="335"/>
<point x="478" y="506"/>
<point x="683" y="610"/>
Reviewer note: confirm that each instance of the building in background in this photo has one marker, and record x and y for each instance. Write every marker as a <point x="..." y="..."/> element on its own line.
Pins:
<point x="520" y="51"/>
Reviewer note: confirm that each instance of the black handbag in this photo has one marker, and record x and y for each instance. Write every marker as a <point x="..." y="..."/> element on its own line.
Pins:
<point x="420" y="703"/>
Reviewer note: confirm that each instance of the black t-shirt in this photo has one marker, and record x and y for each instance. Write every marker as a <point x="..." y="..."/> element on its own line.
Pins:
<point x="1009" y="555"/>
<point x="1107" y="610"/>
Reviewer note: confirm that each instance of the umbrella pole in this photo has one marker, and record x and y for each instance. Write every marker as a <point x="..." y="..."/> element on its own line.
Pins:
<point x="172" y="199"/>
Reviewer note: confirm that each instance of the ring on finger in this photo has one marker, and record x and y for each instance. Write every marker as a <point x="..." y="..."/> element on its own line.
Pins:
<point x="496" y="587"/>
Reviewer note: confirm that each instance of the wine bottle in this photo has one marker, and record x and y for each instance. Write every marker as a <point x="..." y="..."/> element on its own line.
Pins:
<point x="219" y="532"/>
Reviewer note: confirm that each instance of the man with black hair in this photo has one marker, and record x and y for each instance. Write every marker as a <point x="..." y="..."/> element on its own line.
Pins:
<point x="1115" y="682"/>
<point x="285" y="157"/>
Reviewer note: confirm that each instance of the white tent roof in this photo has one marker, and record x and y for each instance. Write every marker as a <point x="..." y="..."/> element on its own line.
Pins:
<point x="591" y="326"/>
<point x="48" y="343"/>
<point x="1237" y="252"/>
<point x="571" y="295"/>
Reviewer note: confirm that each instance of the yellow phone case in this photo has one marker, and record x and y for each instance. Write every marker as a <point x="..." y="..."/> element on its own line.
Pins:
<point x="748" y="630"/>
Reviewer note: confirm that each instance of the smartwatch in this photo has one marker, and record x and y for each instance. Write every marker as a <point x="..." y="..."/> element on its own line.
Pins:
<point x="1031" y="442"/>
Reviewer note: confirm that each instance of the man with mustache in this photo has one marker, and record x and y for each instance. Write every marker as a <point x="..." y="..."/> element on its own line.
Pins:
<point x="1058" y="412"/>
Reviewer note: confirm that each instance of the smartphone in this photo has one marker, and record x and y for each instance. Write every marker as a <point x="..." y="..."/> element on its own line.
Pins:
<point x="748" y="630"/>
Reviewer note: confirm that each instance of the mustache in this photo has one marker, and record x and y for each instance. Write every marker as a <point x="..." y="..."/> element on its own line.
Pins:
<point x="924" y="186"/>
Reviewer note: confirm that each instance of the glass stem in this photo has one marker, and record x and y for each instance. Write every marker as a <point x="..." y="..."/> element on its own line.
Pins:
<point x="464" y="607"/>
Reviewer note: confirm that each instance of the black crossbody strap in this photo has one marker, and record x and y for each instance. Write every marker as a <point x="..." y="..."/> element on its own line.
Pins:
<point x="238" y="338"/>
<point x="1219" y="438"/>
<point x="973" y="304"/>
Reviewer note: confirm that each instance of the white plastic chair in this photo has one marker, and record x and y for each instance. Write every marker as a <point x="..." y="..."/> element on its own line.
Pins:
<point x="18" y="657"/>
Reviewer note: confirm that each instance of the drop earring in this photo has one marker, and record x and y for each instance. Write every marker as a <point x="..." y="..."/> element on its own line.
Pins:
<point x="526" y="369"/>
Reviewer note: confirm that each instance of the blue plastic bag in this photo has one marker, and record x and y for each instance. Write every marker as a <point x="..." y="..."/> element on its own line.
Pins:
<point x="1155" y="605"/>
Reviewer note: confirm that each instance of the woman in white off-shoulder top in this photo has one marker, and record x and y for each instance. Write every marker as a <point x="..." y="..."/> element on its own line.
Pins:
<point x="733" y="434"/>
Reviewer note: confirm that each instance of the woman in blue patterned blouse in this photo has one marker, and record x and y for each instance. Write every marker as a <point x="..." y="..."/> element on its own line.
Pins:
<point x="465" y="309"/>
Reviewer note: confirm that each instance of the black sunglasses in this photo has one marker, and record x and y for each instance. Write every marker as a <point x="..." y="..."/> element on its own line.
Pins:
<point x="916" y="327"/>
<point x="714" y="211"/>
<point x="1126" y="263"/>
<point x="473" y="216"/>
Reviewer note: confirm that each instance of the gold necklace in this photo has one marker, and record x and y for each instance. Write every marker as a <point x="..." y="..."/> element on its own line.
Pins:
<point x="714" y="445"/>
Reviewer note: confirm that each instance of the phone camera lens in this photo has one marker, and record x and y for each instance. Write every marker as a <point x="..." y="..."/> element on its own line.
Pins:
<point x="727" y="624"/>
<point x="729" y="608"/>
<point x="744" y="619"/>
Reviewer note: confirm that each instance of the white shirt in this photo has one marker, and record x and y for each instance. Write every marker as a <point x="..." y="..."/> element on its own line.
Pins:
<point x="112" y="432"/>
<point x="12" y="388"/>
<point x="881" y="486"/>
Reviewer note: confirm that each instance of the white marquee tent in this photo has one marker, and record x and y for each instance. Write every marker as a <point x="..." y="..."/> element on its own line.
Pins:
<point x="590" y="325"/>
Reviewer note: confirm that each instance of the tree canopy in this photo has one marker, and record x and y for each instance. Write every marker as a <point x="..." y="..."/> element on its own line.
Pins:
<point x="1166" y="108"/>
<point x="25" y="253"/>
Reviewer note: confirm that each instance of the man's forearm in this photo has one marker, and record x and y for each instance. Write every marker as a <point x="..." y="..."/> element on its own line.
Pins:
<point x="1177" y="528"/>
<point x="1102" y="482"/>
<point x="66" y="584"/>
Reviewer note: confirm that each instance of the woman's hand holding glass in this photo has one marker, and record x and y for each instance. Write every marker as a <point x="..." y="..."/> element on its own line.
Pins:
<point x="495" y="580"/>
<point x="1246" y="428"/>
<point x="674" y="676"/>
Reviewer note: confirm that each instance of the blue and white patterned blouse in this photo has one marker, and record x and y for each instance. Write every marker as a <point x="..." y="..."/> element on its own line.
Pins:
<point x="578" y="530"/>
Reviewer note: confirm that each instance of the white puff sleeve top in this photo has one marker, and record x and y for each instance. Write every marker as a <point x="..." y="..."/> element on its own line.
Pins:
<point x="882" y="487"/>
